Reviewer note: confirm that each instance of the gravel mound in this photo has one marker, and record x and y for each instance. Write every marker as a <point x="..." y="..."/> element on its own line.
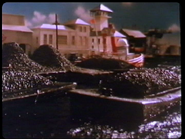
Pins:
<point x="49" y="56"/>
<point x="13" y="81"/>
<point x="140" y="83"/>
<point x="14" y="56"/>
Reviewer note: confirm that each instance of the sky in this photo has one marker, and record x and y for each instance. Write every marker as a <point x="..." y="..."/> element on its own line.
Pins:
<point x="137" y="15"/>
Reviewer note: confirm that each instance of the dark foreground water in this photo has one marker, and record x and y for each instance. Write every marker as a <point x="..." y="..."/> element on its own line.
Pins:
<point x="51" y="118"/>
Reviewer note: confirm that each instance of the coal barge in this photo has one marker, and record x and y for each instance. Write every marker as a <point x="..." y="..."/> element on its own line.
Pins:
<point x="58" y="89"/>
<point x="88" y="103"/>
<point x="133" y="96"/>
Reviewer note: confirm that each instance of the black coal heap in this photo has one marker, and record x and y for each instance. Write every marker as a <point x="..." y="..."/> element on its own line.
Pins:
<point x="47" y="55"/>
<point x="14" y="56"/>
<point x="13" y="81"/>
<point x="104" y="63"/>
<point x="140" y="83"/>
<point x="21" y="73"/>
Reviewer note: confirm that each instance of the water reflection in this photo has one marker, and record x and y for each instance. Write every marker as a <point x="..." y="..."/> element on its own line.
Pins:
<point x="167" y="126"/>
<point x="51" y="118"/>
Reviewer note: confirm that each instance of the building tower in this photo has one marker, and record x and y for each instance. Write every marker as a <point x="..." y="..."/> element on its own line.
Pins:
<point x="100" y="16"/>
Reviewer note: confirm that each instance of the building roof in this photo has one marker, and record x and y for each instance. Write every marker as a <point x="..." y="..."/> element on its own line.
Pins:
<point x="51" y="26"/>
<point x="102" y="7"/>
<point x="77" y="21"/>
<point x="118" y="34"/>
<point x="115" y="34"/>
<point x="134" y="33"/>
<point x="16" y="28"/>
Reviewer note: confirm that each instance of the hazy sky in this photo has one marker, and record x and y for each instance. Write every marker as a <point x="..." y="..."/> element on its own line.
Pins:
<point x="141" y="15"/>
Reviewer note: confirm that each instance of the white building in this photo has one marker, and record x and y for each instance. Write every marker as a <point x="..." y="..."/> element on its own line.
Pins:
<point x="73" y="36"/>
<point x="101" y="16"/>
<point x="15" y="30"/>
<point x="78" y="36"/>
<point x="104" y="36"/>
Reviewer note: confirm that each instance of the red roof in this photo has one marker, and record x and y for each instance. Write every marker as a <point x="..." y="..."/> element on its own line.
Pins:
<point x="134" y="33"/>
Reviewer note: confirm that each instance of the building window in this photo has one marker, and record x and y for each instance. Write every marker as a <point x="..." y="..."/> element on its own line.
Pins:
<point x="45" y="38"/>
<point x="98" y="13"/>
<point x="98" y="40"/>
<point x="50" y="39"/>
<point x="73" y="40"/>
<point x="62" y="39"/>
<point x="37" y="40"/>
<point x="86" y="40"/>
<point x="81" y="41"/>
<point x="104" y="40"/>
<point x="80" y="28"/>
<point x="93" y="40"/>
<point x="84" y="29"/>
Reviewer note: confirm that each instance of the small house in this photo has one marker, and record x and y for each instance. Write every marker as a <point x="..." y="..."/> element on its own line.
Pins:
<point x="15" y="30"/>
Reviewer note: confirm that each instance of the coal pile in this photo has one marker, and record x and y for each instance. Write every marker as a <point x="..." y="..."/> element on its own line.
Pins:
<point x="176" y="69"/>
<point x="104" y="64"/>
<point x="13" y="81"/>
<point x="140" y="83"/>
<point x="49" y="56"/>
<point x="14" y="56"/>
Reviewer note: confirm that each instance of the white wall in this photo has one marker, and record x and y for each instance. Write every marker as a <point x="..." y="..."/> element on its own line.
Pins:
<point x="69" y="47"/>
<point x="10" y="19"/>
<point x="101" y="20"/>
<point x="19" y="37"/>
<point x="36" y="35"/>
<point x="100" y="23"/>
<point x="98" y="47"/>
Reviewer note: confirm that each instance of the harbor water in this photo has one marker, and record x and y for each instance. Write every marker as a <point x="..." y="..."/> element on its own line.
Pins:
<point x="51" y="118"/>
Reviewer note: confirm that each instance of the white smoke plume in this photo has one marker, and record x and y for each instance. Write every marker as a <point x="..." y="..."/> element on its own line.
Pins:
<point x="28" y="23"/>
<point x="174" y="28"/>
<point x="82" y="13"/>
<point x="40" y="18"/>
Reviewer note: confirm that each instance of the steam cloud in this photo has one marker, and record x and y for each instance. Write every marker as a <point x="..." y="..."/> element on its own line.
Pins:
<point x="174" y="28"/>
<point x="82" y="13"/>
<point x="39" y="18"/>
